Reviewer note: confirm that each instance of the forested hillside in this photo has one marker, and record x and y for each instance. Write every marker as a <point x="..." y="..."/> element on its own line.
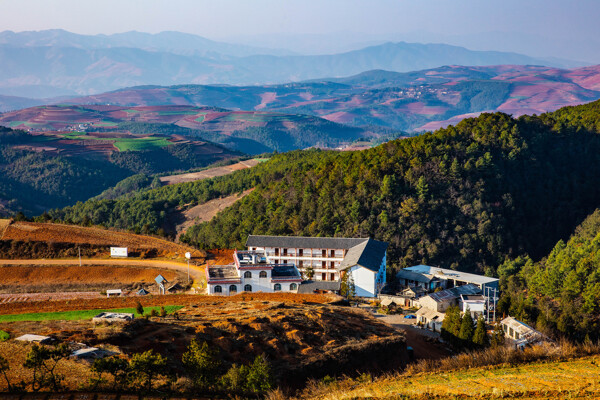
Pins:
<point x="463" y="197"/>
<point x="562" y="292"/>
<point x="34" y="181"/>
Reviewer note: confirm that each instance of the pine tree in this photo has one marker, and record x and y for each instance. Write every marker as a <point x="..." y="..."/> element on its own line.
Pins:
<point x="480" y="336"/>
<point x="498" y="336"/>
<point x="466" y="328"/>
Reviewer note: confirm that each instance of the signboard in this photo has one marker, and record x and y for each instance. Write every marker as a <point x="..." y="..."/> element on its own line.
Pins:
<point x="188" y="255"/>
<point x="118" y="251"/>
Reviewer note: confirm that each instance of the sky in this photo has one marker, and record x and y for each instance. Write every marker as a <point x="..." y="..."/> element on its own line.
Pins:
<point x="549" y="28"/>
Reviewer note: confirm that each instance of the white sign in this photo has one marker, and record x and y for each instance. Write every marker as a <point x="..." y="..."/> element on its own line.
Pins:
<point x="118" y="251"/>
<point x="188" y="255"/>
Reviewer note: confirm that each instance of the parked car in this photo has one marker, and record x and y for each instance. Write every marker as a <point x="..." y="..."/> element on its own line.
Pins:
<point x="410" y="316"/>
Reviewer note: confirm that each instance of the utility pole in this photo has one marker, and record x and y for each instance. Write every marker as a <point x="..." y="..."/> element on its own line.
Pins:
<point x="494" y="305"/>
<point x="188" y="255"/>
<point x="487" y="298"/>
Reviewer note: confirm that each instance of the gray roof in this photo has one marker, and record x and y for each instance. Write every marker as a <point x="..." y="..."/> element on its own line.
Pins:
<point x="451" y="274"/>
<point x="160" y="279"/>
<point x="326" y="286"/>
<point x="284" y="271"/>
<point x="414" y="276"/>
<point x="455" y="292"/>
<point x="142" y="292"/>
<point x="301" y="242"/>
<point x="368" y="254"/>
<point x="222" y="272"/>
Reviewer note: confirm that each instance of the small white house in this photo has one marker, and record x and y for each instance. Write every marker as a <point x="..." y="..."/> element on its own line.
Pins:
<point x="474" y="303"/>
<point x="520" y="334"/>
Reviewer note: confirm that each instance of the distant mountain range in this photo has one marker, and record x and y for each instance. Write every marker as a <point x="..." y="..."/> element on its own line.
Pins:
<point x="58" y="63"/>
<point x="417" y="100"/>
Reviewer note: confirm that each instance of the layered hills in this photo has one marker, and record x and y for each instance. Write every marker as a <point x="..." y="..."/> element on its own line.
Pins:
<point x="56" y="63"/>
<point x="246" y="131"/>
<point x="462" y="197"/>
<point x="420" y="100"/>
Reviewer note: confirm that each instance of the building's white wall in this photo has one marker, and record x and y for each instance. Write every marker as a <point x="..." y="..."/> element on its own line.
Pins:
<point x="364" y="281"/>
<point x="258" y="284"/>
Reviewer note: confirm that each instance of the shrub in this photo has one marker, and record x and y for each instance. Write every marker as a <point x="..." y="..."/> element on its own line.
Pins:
<point x="4" y="336"/>
<point x="201" y="364"/>
<point x="139" y="308"/>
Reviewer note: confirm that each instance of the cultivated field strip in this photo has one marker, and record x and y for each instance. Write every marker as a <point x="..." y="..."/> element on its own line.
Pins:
<point x="29" y="297"/>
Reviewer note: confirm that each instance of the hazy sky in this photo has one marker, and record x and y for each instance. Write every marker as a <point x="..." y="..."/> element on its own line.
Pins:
<point x="558" y="28"/>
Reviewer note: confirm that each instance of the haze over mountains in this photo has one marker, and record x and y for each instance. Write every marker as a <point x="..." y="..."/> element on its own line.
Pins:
<point x="58" y="63"/>
<point x="417" y="100"/>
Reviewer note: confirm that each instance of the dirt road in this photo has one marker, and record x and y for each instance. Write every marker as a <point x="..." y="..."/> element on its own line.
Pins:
<point x="206" y="211"/>
<point x="208" y="173"/>
<point x="424" y="343"/>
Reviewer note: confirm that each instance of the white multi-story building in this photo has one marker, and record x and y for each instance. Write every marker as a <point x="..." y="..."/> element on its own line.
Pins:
<point x="327" y="259"/>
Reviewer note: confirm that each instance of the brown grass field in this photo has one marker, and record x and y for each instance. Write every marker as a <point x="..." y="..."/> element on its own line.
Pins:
<point x="49" y="275"/>
<point x="301" y="335"/>
<point x="175" y="299"/>
<point x="45" y="278"/>
<point x="59" y="233"/>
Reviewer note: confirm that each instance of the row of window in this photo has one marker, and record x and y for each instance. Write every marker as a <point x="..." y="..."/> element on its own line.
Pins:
<point x="261" y="274"/>
<point x="248" y="288"/>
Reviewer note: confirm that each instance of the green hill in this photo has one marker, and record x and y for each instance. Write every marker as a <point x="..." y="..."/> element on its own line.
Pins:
<point x="464" y="197"/>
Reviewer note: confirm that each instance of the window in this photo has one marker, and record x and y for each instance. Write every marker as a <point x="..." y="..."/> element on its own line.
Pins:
<point x="332" y="264"/>
<point x="333" y="277"/>
<point x="300" y="252"/>
<point x="262" y="274"/>
<point x="293" y="286"/>
<point x="323" y="276"/>
<point x="248" y="275"/>
<point x="277" y="251"/>
<point x="300" y="264"/>
<point x="324" y="253"/>
<point x="332" y="253"/>
<point x="284" y="261"/>
<point x="232" y="288"/>
<point x="247" y="288"/>
<point x="218" y="289"/>
<point x="324" y="264"/>
<point x="277" y="287"/>
<point x="285" y="252"/>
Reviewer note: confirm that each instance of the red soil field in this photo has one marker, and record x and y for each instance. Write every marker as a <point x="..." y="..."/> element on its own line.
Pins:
<point x="164" y="300"/>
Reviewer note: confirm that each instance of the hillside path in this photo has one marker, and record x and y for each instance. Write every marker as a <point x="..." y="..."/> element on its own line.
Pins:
<point x="196" y="272"/>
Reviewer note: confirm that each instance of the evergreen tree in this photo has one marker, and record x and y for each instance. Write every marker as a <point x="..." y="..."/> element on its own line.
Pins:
<point x="498" y="335"/>
<point x="201" y="364"/>
<point x="466" y="328"/>
<point x="451" y="324"/>
<point x="480" y="336"/>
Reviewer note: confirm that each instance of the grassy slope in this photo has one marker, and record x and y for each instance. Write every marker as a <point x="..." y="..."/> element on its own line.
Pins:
<point x="77" y="315"/>
<point x="578" y="377"/>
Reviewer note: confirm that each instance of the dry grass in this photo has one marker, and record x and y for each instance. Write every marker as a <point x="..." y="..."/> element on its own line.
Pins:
<point x="174" y="299"/>
<point x="298" y="334"/>
<point x="59" y="233"/>
<point x="545" y="371"/>
<point x="15" y="352"/>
